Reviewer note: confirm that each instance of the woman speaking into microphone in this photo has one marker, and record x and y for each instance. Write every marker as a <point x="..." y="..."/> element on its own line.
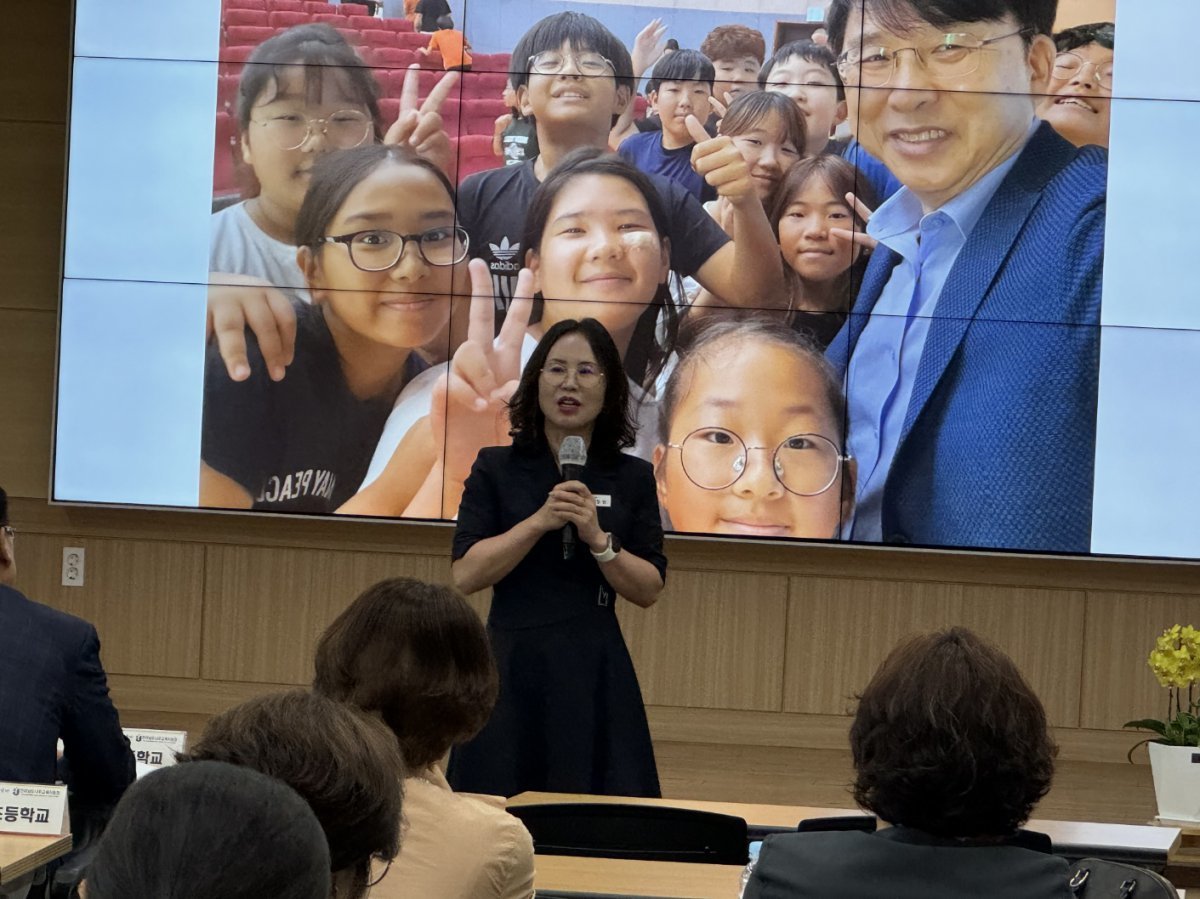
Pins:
<point x="557" y="552"/>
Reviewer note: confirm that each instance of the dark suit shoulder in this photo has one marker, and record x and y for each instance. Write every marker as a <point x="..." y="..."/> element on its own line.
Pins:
<point x="69" y="629"/>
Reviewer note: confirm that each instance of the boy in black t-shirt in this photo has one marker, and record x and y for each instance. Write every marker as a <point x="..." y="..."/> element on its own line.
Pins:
<point x="575" y="78"/>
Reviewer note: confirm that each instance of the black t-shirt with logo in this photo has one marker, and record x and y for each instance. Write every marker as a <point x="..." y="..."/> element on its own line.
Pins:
<point x="492" y="207"/>
<point x="302" y="444"/>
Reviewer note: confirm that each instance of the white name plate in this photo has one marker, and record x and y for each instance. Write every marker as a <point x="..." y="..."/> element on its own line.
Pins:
<point x="154" y="749"/>
<point x="34" y="808"/>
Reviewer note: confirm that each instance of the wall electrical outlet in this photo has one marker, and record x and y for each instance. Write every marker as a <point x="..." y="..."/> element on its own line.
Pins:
<point x="72" y="570"/>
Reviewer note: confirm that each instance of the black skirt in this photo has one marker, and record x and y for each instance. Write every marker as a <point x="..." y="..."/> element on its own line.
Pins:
<point x="569" y="718"/>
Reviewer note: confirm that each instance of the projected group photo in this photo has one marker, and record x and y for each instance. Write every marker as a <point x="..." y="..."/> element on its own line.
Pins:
<point x="846" y="262"/>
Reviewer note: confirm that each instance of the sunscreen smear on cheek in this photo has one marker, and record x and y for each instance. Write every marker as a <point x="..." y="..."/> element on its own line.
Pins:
<point x="641" y="242"/>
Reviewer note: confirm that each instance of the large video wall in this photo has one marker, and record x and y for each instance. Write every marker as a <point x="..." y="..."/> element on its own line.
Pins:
<point x="260" y="311"/>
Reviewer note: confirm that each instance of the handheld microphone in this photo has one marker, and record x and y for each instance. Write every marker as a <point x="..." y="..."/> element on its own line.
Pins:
<point x="572" y="456"/>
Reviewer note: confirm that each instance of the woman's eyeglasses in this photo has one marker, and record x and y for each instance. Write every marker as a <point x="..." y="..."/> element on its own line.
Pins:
<point x="715" y="458"/>
<point x="587" y="374"/>
<point x="377" y="250"/>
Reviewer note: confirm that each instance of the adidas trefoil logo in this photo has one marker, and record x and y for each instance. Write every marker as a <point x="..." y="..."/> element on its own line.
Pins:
<point x="503" y="251"/>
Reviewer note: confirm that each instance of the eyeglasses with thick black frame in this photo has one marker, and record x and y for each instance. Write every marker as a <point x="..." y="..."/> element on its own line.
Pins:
<point x="377" y="250"/>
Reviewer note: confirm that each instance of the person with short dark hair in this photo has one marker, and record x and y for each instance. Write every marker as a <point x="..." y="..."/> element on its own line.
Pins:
<point x="976" y="334"/>
<point x="208" y="830"/>
<point x="53" y="686"/>
<point x="341" y="763"/>
<point x="680" y="87"/>
<point x="806" y="73"/>
<point x="951" y="749"/>
<point x="417" y="655"/>
<point x="1080" y="102"/>
<point x="570" y="716"/>
<point x="451" y="43"/>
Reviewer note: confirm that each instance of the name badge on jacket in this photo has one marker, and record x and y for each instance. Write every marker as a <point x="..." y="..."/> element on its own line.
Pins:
<point x="603" y="500"/>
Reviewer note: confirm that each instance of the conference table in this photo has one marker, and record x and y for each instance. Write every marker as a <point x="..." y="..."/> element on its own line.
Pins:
<point x="1149" y="846"/>
<point x="571" y="876"/>
<point x="21" y="853"/>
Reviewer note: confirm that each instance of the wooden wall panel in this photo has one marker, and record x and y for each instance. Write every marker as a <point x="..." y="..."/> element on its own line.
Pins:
<point x="1118" y="685"/>
<point x="839" y="630"/>
<point x="265" y="608"/>
<point x="143" y="596"/>
<point x="26" y="399"/>
<point x="33" y="79"/>
<point x="711" y="641"/>
<point x="31" y="192"/>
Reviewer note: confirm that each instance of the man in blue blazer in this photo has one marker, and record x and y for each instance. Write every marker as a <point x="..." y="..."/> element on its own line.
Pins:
<point x="971" y="355"/>
<point x="52" y="686"/>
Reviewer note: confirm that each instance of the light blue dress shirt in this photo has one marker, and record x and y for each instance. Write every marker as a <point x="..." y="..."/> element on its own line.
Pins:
<point x="884" y="364"/>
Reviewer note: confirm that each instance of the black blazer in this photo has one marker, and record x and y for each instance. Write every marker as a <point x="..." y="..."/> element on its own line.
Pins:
<point x="52" y="686"/>
<point x="901" y="863"/>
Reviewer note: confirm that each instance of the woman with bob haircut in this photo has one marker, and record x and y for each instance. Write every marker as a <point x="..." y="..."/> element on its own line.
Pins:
<point x="341" y="763"/>
<point x="951" y="751"/>
<point x="218" y="830"/>
<point x="417" y="655"/>
<point x="570" y="716"/>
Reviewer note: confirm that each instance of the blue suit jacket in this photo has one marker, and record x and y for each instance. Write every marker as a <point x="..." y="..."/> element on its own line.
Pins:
<point x="997" y="447"/>
<point x="52" y="685"/>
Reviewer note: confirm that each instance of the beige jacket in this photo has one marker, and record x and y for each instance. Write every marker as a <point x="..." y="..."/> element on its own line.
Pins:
<point x="457" y="847"/>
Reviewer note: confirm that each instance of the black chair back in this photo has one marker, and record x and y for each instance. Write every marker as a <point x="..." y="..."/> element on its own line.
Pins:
<point x="643" y="832"/>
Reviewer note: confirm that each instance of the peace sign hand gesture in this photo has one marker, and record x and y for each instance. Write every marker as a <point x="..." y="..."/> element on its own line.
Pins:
<point x="419" y="125"/>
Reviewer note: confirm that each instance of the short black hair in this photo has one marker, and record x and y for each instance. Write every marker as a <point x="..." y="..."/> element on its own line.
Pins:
<point x="320" y="49"/>
<point x="683" y="65"/>
<point x="217" y="830"/>
<point x="445" y="22"/>
<point x="3" y="507"/>
<point x="809" y="51"/>
<point x="582" y="32"/>
<point x="1102" y="33"/>
<point x="948" y="738"/>
<point x="418" y="655"/>
<point x="614" y="429"/>
<point x="1033" y="16"/>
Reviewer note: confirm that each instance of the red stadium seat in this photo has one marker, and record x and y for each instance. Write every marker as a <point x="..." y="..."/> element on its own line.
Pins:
<point x="489" y="62"/>
<point x="287" y="5"/>
<point x="351" y="35"/>
<point x="246" y="4"/>
<point x="389" y="111"/>
<point x="411" y="40"/>
<point x="288" y="18"/>
<point x="431" y="60"/>
<point x="236" y="54"/>
<point x="428" y="78"/>
<point x="452" y="116"/>
<point x="475" y="154"/>
<point x="479" y="116"/>
<point x="377" y="37"/>
<point x="640" y="105"/>
<point x="397" y="24"/>
<point x="362" y="22"/>
<point x="394" y="58"/>
<point x="227" y="86"/>
<point x="354" y="9"/>
<point x="314" y="7"/>
<point x="247" y="34"/>
<point x="490" y="84"/>
<point x="329" y="18"/>
<point x="245" y="17"/>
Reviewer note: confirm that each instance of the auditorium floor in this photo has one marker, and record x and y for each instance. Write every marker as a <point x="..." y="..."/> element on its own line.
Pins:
<point x="1082" y="791"/>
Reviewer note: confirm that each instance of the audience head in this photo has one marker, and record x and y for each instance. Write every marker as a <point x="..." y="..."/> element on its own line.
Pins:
<point x="445" y="22"/>
<point x="8" y="550"/>
<point x="941" y="123"/>
<point x="769" y="131"/>
<point x="571" y="343"/>
<point x="806" y="73"/>
<point x="949" y="739"/>
<point x="737" y="53"/>
<point x="753" y="382"/>
<point x="672" y="46"/>
<point x="346" y="765"/>
<point x="306" y="73"/>
<point x="570" y="45"/>
<point x="209" y="829"/>
<point x="416" y="654"/>
<point x="612" y="207"/>
<point x="1080" y="102"/>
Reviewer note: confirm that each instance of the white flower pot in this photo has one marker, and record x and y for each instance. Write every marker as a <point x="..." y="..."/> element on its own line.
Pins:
<point x="1176" y="771"/>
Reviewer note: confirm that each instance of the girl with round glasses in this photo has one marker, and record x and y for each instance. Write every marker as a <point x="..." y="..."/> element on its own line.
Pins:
<point x="750" y="442"/>
<point x="379" y="250"/>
